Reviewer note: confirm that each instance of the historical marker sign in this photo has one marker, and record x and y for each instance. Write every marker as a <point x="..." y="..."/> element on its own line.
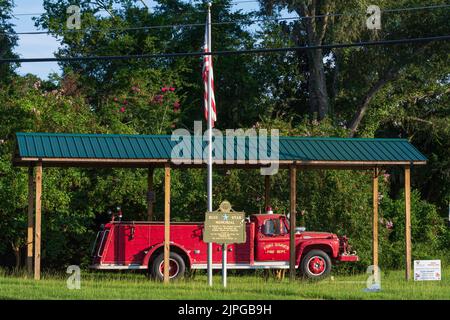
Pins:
<point x="426" y="270"/>
<point x="225" y="225"/>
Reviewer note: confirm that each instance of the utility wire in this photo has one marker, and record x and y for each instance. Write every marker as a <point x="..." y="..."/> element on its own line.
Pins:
<point x="228" y="52"/>
<point x="249" y="21"/>
<point x="146" y="6"/>
<point x="439" y="6"/>
<point x="188" y="25"/>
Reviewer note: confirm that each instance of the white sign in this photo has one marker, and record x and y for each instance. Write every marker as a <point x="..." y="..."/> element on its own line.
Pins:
<point x="425" y="270"/>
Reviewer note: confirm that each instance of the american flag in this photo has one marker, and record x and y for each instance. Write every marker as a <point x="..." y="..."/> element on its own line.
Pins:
<point x="207" y="67"/>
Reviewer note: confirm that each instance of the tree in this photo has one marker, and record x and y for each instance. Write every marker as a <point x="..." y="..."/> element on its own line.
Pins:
<point x="8" y="40"/>
<point x="344" y="83"/>
<point x="237" y="90"/>
<point x="316" y="26"/>
<point x="390" y="66"/>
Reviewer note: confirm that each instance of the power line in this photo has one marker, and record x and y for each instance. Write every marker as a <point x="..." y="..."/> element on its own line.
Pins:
<point x="316" y="16"/>
<point x="249" y="21"/>
<point x="188" y="25"/>
<point x="438" y="6"/>
<point x="146" y="6"/>
<point x="228" y="52"/>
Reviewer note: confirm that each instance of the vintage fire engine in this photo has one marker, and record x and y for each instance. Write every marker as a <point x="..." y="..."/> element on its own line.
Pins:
<point x="139" y="245"/>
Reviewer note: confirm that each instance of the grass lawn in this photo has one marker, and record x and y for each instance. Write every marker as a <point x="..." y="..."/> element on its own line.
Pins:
<point x="114" y="285"/>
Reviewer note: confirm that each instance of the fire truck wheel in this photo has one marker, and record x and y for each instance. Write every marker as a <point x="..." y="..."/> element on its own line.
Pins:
<point x="316" y="264"/>
<point x="177" y="267"/>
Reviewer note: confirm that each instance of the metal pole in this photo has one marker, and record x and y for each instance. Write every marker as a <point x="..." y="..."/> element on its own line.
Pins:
<point x="293" y="213"/>
<point x="224" y="265"/>
<point x="209" y="161"/>
<point x="408" y="221"/>
<point x="375" y="223"/>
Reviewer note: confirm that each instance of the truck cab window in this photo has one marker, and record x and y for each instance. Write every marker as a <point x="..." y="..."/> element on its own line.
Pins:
<point x="272" y="227"/>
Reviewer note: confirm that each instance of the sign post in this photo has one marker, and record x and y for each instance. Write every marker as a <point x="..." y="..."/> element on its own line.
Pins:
<point x="224" y="226"/>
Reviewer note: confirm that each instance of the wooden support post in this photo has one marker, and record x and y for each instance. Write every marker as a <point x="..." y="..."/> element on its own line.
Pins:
<point x="37" y="229"/>
<point x="408" y="221"/>
<point x="266" y="192"/>
<point x="150" y="194"/>
<point x="293" y="205"/>
<point x="30" y="234"/>
<point x="166" y="222"/>
<point x="375" y="223"/>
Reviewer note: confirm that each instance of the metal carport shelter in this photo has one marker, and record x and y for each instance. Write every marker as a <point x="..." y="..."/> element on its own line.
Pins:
<point x="38" y="150"/>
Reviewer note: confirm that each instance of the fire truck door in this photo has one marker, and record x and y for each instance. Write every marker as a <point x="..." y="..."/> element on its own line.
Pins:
<point x="272" y="241"/>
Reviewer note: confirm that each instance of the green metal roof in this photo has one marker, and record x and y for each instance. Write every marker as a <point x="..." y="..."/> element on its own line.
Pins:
<point x="94" y="147"/>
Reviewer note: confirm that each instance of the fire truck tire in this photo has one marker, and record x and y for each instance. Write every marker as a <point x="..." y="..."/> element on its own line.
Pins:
<point x="315" y="265"/>
<point x="177" y="266"/>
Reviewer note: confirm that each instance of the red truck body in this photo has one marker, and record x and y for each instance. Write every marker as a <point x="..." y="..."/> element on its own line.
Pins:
<point x="139" y="245"/>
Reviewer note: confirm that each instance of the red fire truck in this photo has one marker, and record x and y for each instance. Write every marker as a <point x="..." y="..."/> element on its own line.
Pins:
<point x="139" y="245"/>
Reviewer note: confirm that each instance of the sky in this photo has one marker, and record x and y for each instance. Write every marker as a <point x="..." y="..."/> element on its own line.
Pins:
<point x="44" y="46"/>
<point x="33" y="46"/>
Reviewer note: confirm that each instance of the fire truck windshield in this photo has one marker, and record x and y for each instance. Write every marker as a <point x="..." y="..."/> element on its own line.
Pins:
<point x="274" y="227"/>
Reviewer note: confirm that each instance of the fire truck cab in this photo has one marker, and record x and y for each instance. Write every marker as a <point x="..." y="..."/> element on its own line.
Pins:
<point x="139" y="245"/>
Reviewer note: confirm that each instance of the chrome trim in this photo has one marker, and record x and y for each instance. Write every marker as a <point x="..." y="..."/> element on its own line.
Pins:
<point x="256" y="265"/>
<point x="101" y="244"/>
<point x="95" y="242"/>
<point x="117" y="267"/>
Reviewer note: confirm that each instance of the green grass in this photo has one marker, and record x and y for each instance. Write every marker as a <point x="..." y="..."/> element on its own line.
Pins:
<point x="113" y="285"/>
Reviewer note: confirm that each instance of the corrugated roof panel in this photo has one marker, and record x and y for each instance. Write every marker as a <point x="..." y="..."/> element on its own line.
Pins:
<point x="29" y="146"/>
<point x="312" y="154"/>
<point x="336" y="151"/>
<point x="122" y="150"/>
<point x="143" y="146"/>
<point x="290" y="148"/>
<point x="388" y="152"/>
<point x="229" y="148"/>
<point x="316" y="151"/>
<point x="102" y="146"/>
<point x="78" y="148"/>
<point x="416" y="153"/>
<point x="401" y="145"/>
<point x="358" y="151"/>
<point x="327" y="150"/>
<point x="95" y="147"/>
<point x="301" y="150"/>
<point x="163" y="146"/>
<point x="87" y="146"/>
<point x="367" y="151"/>
<point x="350" y="154"/>
<point x="240" y="148"/>
<point x="62" y="147"/>
<point x="153" y="147"/>
<point x="323" y="151"/>
<point x="135" y="147"/>
<point x="112" y="148"/>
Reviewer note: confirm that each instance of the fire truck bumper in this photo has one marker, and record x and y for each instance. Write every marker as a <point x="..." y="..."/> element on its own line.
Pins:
<point x="347" y="257"/>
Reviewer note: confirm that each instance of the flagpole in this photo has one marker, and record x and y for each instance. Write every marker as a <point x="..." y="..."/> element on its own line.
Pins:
<point x="209" y="161"/>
